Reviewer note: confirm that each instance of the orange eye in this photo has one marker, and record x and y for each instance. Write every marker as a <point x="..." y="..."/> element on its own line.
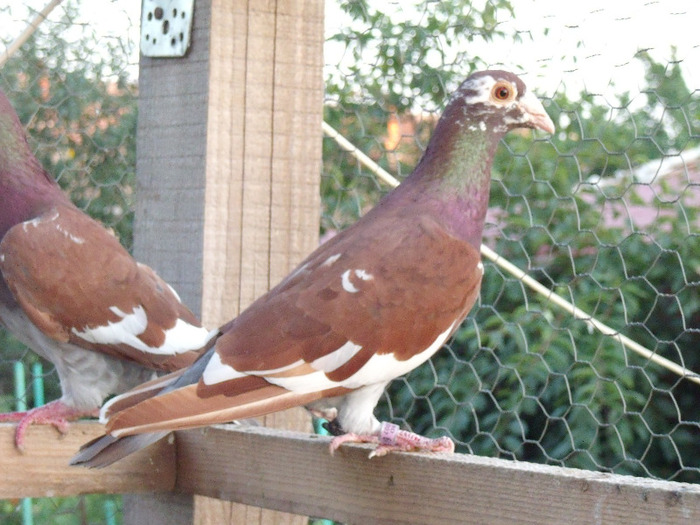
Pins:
<point x="502" y="91"/>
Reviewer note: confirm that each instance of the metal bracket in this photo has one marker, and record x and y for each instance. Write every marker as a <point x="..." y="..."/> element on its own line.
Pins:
<point x="166" y="27"/>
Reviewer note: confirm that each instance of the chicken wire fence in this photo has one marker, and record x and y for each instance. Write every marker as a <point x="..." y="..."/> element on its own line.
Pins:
<point x="604" y="213"/>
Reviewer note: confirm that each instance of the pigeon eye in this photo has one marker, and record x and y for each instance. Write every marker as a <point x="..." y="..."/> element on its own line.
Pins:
<point x="502" y="91"/>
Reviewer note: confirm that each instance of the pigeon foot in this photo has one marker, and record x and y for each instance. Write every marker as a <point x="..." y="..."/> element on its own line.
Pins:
<point x="392" y="439"/>
<point x="55" y="413"/>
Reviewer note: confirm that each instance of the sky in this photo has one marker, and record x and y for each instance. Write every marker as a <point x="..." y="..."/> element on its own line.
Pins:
<point x="581" y="45"/>
<point x="592" y="43"/>
<point x="565" y="45"/>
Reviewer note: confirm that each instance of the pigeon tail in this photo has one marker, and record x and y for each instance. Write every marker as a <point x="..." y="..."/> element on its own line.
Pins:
<point x="105" y="450"/>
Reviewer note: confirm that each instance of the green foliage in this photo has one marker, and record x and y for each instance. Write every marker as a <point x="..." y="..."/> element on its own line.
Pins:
<point x="85" y="510"/>
<point x="399" y="59"/>
<point x="79" y="110"/>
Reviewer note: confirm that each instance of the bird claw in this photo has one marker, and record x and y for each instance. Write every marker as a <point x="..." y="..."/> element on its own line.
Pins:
<point x="55" y="413"/>
<point x="351" y="438"/>
<point x="392" y="439"/>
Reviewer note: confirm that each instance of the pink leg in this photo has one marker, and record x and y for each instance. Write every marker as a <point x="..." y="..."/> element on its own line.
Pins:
<point x="392" y="438"/>
<point x="55" y="413"/>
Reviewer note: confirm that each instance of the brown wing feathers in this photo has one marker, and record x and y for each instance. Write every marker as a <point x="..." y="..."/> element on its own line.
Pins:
<point x="85" y="279"/>
<point x="309" y="317"/>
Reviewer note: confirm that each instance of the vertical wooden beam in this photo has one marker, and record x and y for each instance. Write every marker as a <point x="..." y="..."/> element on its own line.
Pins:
<point x="171" y="163"/>
<point x="170" y="508"/>
<point x="169" y="211"/>
<point x="264" y="148"/>
<point x="228" y="162"/>
<point x="263" y="163"/>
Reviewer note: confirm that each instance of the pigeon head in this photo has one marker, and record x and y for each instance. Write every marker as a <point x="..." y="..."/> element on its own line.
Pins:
<point x="486" y="106"/>
<point x="454" y="176"/>
<point x="499" y="101"/>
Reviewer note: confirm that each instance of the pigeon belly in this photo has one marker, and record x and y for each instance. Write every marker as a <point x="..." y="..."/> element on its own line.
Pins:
<point x="87" y="377"/>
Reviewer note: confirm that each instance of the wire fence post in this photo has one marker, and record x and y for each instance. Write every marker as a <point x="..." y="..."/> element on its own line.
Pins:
<point x="21" y="406"/>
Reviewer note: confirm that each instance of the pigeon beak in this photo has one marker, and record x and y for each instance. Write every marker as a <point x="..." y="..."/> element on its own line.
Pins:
<point x="535" y="115"/>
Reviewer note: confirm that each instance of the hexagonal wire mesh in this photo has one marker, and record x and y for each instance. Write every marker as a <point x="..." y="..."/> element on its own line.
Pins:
<point x="603" y="213"/>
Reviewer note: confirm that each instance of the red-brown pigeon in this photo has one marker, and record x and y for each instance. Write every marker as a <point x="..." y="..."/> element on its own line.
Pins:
<point x="74" y="295"/>
<point x="367" y="306"/>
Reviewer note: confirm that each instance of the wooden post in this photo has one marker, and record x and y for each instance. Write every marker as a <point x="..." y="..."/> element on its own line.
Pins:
<point x="228" y="164"/>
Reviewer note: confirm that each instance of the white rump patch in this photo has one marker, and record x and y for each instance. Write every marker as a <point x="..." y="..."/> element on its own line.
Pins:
<point x="336" y="358"/>
<point x="182" y="337"/>
<point x="480" y="267"/>
<point x="348" y="286"/>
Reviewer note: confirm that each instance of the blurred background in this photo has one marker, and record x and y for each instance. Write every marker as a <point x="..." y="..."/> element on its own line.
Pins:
<point x="604" y="213"/>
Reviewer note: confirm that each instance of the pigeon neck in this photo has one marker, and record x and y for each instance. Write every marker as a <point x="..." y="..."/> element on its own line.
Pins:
<point x="455" y="175"/>
<point x="26" y="189"/>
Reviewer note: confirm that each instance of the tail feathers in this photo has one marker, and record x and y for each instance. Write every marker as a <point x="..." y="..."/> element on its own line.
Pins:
<point x="156" y="387"/>
<point x="136" y="395"/>
<point x="124" y="440"/>
<point x="105" y="450"/>
<point x="183" y="408"/>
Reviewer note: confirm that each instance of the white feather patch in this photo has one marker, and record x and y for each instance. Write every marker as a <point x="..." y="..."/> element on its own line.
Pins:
<point x="69" y="235"/>
<point x="336" y="358"/>
<point x="279" y="370"/>
<point x="362" y="274"/>
<point x="182" y="337"/>
<point x="348" y="285"/>
<point x="218" y="372"/>
<point x="36" y="221"/>
<point x="332" y="259"/>
<point x="125" y="331"/>
<point x="385" y="367"/>
<point x="379" y="369"/>
<point x="303" y="384"/>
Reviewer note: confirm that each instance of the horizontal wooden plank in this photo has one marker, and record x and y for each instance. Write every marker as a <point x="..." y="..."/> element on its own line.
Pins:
<point x="294" y="472"/>
<point x="43" y="470"/>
